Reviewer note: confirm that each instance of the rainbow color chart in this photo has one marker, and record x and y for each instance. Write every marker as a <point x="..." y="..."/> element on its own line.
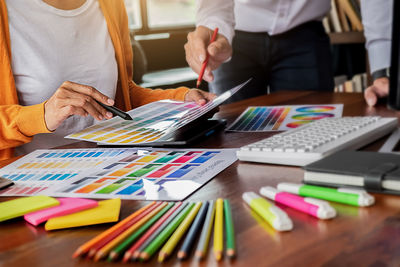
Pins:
<point x="153" y="123"/>
<point x="282" y="118"/>
<point x="130" y="174"/>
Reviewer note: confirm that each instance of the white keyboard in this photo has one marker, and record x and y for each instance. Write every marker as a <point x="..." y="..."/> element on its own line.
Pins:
<point x="316" y="140"/>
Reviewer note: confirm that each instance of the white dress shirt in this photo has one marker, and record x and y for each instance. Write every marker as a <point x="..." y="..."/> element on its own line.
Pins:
<point x="377" y="20"/>
<point x="50" y="46"/>
<point x="272" y="16"/>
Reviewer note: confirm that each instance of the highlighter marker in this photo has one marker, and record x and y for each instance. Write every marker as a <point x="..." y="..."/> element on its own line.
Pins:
<point x="276" y="217"/>
<point x="315" y="207"/>
<point x="347" y="196"/>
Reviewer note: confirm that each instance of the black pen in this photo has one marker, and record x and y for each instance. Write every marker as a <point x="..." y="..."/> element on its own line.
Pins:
<point x="115" y="111"/>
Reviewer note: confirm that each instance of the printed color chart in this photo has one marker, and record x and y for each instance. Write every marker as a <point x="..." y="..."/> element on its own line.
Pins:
<point x="125" y="173"/>
<point x="152" y="123"/>
<point x="281" y="118"/>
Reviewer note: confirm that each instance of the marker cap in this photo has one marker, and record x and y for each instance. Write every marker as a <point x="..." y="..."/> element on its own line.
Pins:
<point x="289" y="187"/>
<point x="269" y="192"/>
<point x="325" y="211"/>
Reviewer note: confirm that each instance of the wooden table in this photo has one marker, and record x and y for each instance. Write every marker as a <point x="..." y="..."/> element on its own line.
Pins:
<point x="357" y="237"/>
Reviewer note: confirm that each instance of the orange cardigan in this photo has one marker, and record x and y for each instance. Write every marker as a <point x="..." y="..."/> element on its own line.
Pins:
<point x="19" y="123"/>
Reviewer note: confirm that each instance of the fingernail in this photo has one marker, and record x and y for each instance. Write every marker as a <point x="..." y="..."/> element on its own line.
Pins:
<point x="201" y="58"/>
<point x="370" y="101"/>
<point x="109" y="115"/>
<point x="100" y="117"/>
<point x="110" y="101"/>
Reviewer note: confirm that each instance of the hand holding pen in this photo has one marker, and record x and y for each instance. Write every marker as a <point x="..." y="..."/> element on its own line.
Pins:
<point x="199" y="46"/>
<point x="76" y="99"/>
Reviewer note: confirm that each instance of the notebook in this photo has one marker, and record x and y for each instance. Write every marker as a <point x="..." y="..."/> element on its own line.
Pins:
<point x="373" y="171"/>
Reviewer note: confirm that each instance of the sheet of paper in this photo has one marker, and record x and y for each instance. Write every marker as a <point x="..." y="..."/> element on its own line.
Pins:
<point x="282" y="118"/>
<point x="21" y="206"/>
<point x="153" y="174"/>
<point x="154" y="122"/>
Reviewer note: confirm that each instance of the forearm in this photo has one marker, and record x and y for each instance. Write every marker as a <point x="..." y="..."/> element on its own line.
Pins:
<point x="18" y="124"/>
<point x="217" y="13"/>
<point x="377" y="21"/>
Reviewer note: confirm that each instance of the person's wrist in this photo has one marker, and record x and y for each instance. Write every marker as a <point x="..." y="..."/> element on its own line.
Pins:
<point x="381" y="73"/>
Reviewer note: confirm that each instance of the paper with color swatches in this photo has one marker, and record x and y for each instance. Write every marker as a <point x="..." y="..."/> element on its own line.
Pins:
<point x="159" y="227"/>
<point x="151" y="123"/>
<point x="281" y="118"/>
<point x="126" y="173"/>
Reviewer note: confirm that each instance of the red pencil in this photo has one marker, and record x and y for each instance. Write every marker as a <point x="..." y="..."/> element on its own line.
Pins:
<point x="136" y="245"/>
<point x="83" y="249"/>
<point x="120" y="230"/>
<point x="203" y="67"/>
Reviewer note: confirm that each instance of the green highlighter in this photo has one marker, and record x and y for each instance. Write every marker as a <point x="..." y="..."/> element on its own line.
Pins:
<point x="347" y="196"/>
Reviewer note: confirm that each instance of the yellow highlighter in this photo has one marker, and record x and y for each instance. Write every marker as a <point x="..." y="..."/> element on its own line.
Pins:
<point x="276" y="217"/>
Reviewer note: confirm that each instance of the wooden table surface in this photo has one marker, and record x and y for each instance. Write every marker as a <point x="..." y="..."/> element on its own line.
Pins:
<point x="356" y="237"/>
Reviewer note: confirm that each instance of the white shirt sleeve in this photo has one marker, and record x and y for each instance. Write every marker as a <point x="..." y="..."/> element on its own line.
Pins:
<point x="377" y="20"/>
<point x="217" y="13"/>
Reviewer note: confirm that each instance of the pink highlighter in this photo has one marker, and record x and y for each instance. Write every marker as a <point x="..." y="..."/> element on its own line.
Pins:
<point x="315" y="207"/>
<point x="67" y="206"/>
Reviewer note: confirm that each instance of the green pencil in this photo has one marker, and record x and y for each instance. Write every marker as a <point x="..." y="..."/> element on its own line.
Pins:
<point x="167" y="232"/>
<point x="230" y="233"/>
<point x="121" y="248"/>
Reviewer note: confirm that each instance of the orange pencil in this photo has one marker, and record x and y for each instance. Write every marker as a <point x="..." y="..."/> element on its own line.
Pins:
<point x="93" y="251"/>
<point x="83" y="249"/>
<point x="203" y="67"/>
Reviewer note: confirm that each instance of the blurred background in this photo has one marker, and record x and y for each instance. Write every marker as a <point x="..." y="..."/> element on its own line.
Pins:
<point x="159" y="29"/>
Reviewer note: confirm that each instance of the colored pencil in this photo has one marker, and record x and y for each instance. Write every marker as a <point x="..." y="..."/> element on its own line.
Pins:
<point x="156" y="232"/>
<point x="130" y="252"/>
<point x="230" y="233"/>
<point x="203" y="67"/>
<point x="193" y="231"/>
<point x="120" y="230"/>
<point x="202" y="246"/>
<point x="83" y="249"/>
<point x="219" y="229"/>
<point x="165" y="234"/>
<point x="104" y="250"/>
<point x="125" y="244"/>
<point x="169" y="247"/>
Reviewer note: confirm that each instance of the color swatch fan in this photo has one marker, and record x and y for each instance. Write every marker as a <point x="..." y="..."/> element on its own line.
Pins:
<point x="152" y="124"/>
<point x="281" y="118"/>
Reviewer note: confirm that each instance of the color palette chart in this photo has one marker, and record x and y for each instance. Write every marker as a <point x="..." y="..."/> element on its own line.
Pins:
<point x="282" y="118"/>
<point x="43" y="169"/>
<point x="128" y="174"/>
<point x="153" y="123"/>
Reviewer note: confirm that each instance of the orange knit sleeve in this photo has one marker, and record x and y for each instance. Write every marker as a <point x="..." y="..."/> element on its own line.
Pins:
<point x="19" y="123"/>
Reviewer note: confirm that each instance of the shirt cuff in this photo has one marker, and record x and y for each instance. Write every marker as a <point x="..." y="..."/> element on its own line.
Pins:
<point x="31" y="120"/>
<point x="379" y="55"/>
<point x="223" y="28"/>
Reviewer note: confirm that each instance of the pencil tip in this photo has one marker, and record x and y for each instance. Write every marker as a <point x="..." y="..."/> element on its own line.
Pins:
<point x="218" y="255"/>
<point x="199" y="254"/>
<point x="181" y="255"/>
<point x="231" y="253"/>
<point x="162" y="256"/>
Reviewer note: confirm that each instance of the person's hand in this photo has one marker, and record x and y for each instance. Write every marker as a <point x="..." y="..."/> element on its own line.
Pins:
<point x="199" y="96"/>
<point x="380" y="88"/>
<point x="75" y="99"/>
<point x="197" y="47"/>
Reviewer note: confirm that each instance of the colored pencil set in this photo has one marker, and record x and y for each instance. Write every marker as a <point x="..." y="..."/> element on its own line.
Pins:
<point x="160" y="226"/>
<point x="305" y="198"/>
